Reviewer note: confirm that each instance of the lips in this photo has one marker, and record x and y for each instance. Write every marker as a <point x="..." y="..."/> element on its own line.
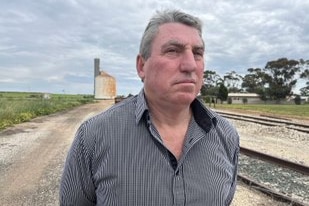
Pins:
<point x="185" y="81"/>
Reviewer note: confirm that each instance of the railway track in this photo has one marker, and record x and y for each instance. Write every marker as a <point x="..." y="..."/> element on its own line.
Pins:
<point x="278" y="161"/>
<point x="270" y="192"/>
<point x="251" y="171"/>
<point x="267" y="121"/>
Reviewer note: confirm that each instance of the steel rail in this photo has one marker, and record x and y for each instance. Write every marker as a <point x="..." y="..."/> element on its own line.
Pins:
<point x="267" y="122"/>
<point x="274" y="194"/>
<point x="270" y="119"/>
<point x="279" y="161"/>
<point x="255" y="117"/>
<point x="249" y="119"/>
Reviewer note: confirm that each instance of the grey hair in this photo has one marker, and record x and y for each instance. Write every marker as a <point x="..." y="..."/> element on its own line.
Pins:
<point x="163" y="17"/>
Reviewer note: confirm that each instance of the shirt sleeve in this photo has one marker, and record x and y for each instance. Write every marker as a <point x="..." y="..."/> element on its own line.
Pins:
<point x="76" y="187"/>
<point x="234" y="183"/>
<point x="235" y="168"/>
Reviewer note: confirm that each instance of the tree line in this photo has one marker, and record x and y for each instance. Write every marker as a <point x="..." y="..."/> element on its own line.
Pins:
<point x="273" y="82"/>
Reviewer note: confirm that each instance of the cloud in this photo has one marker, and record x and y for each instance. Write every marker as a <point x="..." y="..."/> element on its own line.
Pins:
<point x="50" y="45"/>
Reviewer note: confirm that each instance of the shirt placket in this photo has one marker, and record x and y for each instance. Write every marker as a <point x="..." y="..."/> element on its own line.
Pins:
<point x="178" y="188"/>
<point x="178" y="177"/>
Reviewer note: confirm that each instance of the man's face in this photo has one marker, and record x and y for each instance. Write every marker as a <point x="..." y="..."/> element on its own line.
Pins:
<point x="174" y="71"/>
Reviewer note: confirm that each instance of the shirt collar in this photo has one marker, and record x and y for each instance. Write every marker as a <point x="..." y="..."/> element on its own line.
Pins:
<point x="141" y="106"/>
<point x="204" y="117"/>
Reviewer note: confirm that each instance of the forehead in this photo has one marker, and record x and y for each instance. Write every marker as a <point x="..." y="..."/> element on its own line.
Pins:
<point x="178" y="32"/>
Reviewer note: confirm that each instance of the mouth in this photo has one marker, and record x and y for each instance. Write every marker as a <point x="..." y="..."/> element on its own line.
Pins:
<point x="186" y="81"/>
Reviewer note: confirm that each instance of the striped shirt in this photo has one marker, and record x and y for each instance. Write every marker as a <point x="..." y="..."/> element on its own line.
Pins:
<point x="118" y="158"/>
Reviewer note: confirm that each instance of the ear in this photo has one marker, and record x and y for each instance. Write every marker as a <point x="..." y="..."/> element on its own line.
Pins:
<point x="140" y="62"/>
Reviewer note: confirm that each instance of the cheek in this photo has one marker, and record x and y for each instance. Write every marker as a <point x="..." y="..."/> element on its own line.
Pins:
<point x="200" y="75"/>
<point x="158" y="71"/>
<point x="152" y="74"/>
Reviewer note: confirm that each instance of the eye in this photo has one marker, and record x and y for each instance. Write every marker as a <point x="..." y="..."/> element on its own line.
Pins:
<point x="198" y="55"/>
<point x="172" y="50"/>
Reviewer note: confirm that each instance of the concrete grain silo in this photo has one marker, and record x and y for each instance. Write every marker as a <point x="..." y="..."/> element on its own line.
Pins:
<point x="104" y="84"/>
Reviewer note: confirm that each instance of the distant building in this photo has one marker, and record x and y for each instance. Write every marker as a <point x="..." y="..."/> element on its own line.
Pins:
<point x="303" y="99"/>
<point x="104" y="84"/>
<point x="238" y="98"/>
<point x="46" y="96"/>
<point x="253" y="98"/>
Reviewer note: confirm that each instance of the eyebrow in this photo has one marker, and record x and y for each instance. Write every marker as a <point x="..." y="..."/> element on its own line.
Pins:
<point x="181" y="45"/>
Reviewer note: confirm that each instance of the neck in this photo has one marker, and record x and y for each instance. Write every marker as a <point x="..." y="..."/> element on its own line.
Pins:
<point x="172" y="124"/>
<point x="170" y="115"/>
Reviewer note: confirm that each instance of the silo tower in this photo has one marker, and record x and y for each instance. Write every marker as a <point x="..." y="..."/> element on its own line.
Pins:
<point x="104" y="84"/>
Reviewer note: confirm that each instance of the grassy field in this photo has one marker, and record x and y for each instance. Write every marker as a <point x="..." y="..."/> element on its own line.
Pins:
<point x="295" y="111"/>
<point x="17" y="107"/>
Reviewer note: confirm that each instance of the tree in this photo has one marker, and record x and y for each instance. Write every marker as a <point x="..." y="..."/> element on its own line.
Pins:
<point x="256" y="82"/>
<point x="211" y="78"/>
<point x="282" y="73"/>
<point x="305" y="90"/>
<point x="211" y="81"/>
<point x="233" y="81"/>
<point x="305" y="75"/>
<point x="250" y="83"/>
<point x="223" y="93"/>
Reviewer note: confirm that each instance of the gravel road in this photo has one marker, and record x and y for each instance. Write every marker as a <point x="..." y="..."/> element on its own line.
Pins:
<point x="32" y="155"/>
<point x="277" y="141"/>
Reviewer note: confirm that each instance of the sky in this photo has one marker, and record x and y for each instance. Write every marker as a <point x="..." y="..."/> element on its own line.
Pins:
<point x="50" y="45"/>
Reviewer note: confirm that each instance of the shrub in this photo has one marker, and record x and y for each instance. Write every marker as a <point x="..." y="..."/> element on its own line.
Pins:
<point x="206" y="99"/>
<point x="24" y="117"/>
<point x="297" y="100"/>
<point x="229" y="100"/>
<point x="23" y="107"/>
<point x="244" y="100"/>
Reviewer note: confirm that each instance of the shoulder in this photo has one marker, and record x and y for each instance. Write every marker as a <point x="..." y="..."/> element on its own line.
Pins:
<point x="227" y="133"/>
<point x="208" y="118"/>
<point x="107" y="121"/>
<point x="225" y="125"/>
<point x="213" y="122"/>
<point x="121" y="110"/>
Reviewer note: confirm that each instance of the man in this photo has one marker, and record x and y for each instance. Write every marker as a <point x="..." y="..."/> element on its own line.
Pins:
<point x="161" y="147"/>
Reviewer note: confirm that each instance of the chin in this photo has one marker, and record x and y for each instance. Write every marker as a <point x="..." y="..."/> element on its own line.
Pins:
<point x="185" y="98"/>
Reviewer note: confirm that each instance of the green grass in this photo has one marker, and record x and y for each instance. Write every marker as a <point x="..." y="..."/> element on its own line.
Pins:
<point x="295" y="111"/>
<point x="17" y="107"/>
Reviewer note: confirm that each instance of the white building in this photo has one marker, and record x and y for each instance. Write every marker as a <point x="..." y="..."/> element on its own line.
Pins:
<point x="238" y="98"/>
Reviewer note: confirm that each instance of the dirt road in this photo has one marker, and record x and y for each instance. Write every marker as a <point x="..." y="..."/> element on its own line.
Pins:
<point x="32" y="155"/>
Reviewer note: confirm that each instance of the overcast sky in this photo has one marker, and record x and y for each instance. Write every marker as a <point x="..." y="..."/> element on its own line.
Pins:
<point x="49" y="45"/>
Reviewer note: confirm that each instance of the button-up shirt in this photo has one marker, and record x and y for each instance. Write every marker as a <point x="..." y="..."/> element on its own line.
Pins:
<point x="119" y="158"/>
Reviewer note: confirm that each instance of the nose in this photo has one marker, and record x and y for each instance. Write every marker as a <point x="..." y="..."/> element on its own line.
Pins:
<point x="188" y="62"/>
